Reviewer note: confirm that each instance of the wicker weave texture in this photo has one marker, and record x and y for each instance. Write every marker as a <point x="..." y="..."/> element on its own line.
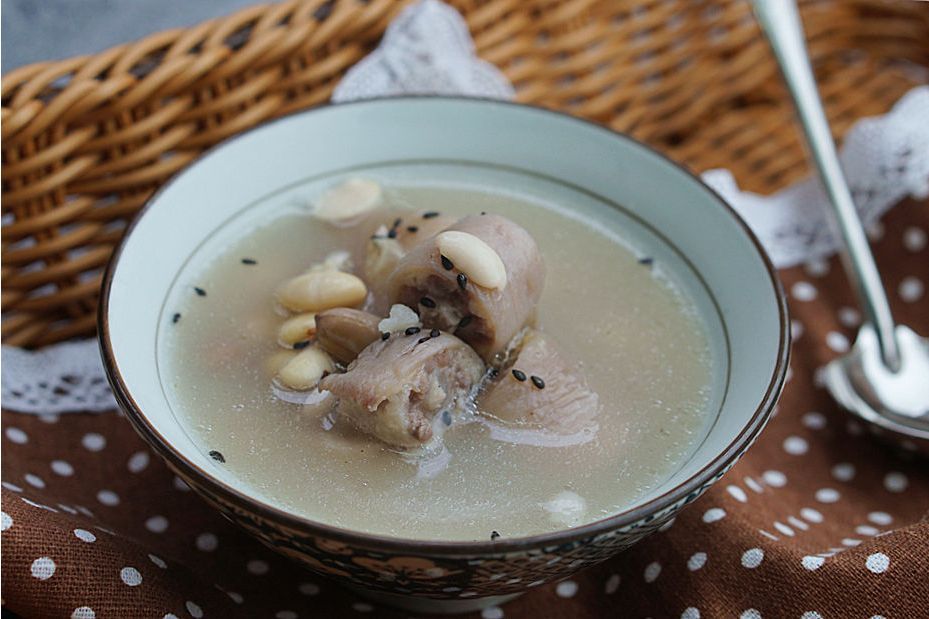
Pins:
<point x="87" y="140"/>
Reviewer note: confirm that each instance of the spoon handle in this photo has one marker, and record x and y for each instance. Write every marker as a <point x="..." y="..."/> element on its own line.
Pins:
<point x="781" y="24"/>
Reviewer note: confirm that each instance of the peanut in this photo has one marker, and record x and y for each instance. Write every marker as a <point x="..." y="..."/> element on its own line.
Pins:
<point x="297" y="329"/>
<point x="305" y="370"/>
<point x="321" y="290"/>
<point x="473" y="257"/>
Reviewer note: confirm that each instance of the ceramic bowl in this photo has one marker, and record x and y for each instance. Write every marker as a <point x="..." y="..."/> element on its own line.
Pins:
<point x="490" y="144"/>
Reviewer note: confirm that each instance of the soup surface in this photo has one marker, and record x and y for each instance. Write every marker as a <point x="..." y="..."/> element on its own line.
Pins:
<point x="634" y="335"/>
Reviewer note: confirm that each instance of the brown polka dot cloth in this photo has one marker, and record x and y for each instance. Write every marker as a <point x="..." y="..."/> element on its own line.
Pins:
<point x="818" y="521"/>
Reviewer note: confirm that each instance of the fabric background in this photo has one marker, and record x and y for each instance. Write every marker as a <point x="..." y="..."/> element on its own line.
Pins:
<point x="819" y="520"/>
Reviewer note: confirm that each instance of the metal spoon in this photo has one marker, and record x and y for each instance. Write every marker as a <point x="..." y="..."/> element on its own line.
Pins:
<point x="884" y="379"/>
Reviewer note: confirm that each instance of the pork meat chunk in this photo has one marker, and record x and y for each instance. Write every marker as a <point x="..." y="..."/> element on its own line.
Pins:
<point x="395" y="387"/>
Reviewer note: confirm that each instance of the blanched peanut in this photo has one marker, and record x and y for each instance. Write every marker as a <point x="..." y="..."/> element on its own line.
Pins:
<point x="321" y="290"/>
<point x="306" y="369"/>
<point x="473" y="257"/>
<point x="349" y="201"/>
<point x="278" y="360"/>
<point x="344" y="332"/>
<point x="297" y="329"/>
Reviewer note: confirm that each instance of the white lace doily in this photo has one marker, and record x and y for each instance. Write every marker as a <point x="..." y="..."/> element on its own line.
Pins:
<point x="428" y="50"/>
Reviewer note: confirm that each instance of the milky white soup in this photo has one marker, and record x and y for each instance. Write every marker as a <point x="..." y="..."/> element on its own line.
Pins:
<point x="635" y="336"/>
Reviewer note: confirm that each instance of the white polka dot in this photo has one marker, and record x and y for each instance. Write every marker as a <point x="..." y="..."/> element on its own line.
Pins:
<point x="881" y="518"/>
<point x="752" y="558"/>
<point x="811" y="614"/>
<point x="652" y="571"/>
<point x="85" y="536"/>
<point x="844" y="471"/>
<point x="814" y="420"/>
<point x="195" y="611"/>
<point x="817" y="267"/>
<point x="83" y="612"/>
<point x="865" y="529"/>
<point x="362" y="607"/>
<point x="803" y="291"/>
<point x="911" y="289"/>
<point x="896" y="482"/>
<point x="180" y="484"/>
<point x="130" y="576"/>
<point x="877" y="562"/>
<point x="16" y="435"/>
<point x="257" y="567"/>
<point x="235" y="597"/>
<point x="812" y="563"/>
<point x="751" y="613"/>
<point x="827" y="495"/>
<point x="696" y="561"/>
<point x="137" y="462"/>
<point x="713" y="514"/>
<point x="783" y="529"/>
<point x="68" y="509"/>
<point x="849" y="316"/>
<point x="309" y="588"/>
<point x="878" y="617"/>
<point x="170" y="616"/>
<point x="60" y="467"/>
<point x="566" y="589"/>
<point x="93" y="441"/>
<point x="775" y="479"/>
<point x="612" y="584"/>
<point x="795" y="446"/>
<point x="494" y="612"/>
<point x="49" y="418"/>
<point x="850" y="542"/>
<point x="158" y="561"/>
<point x="207" y="542"/>
<point x="914" y="239"/>
<point x="34" y="480"/>
<point x="690" y="613"/>
<point x="285" y="614"/>
<point x="108" y="497"/>
<point x="157" y="524"/>
<point x="5" y="521"/>
<point x="38" y="505"/>
<point x="11" y="487"/>
<point x="837" y="341"/>
<point x="737" y="493"/>
<point x="84" y="511"/>
<point x="43" y="568"/>
<point x="796" y="330"/>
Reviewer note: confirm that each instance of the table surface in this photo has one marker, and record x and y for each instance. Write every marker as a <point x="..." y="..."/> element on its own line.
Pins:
<point x="55" y="29"/>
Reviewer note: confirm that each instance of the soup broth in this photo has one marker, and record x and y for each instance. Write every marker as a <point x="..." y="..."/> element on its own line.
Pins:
<point x="635" y="336"/>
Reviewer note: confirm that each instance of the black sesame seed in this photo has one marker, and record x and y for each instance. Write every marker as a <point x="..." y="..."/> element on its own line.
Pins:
<point x="538" y="382"/>
<point x="200" y="291"/>
<point x="397" y="223"/>
<point x="249" y="261"/>
<point x="483" y="212"/>
<point x="412" y="330"/>
<point x="465" y="321"/>
<point x="430" y="214"/>
<point x="427" y="302"/>
<point x="217" y="456"/>
<point x="423" y="340"/>
<point x="447" y="264"/>
<point x="435" y="333"/>
<point x="519" y="375"/>
<point x="494" y="535"/>
<point x="462" y="281"/>
<point x="392" y="233"/>
<point x="446" y="418"/>
<point x="385" y="336"/>
<point x="412" y="228"/>
<point x="646" y="260"/>
<point x="175" y="318"/>
<point x="301" y="345"/>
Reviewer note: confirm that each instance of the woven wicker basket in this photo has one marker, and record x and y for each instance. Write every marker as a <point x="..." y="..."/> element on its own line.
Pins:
<point x="87" y="140"/>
